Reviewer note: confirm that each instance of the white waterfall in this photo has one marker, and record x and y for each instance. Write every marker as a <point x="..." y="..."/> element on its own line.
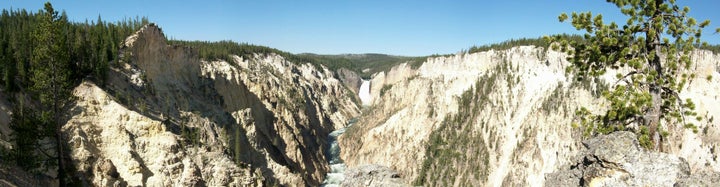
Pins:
<point x="365" y="93"/>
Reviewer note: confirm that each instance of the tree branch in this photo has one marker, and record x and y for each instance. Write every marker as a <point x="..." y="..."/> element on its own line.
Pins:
<point x="625" y="77"/>
<point x="680" y="102"/>
<point x="671" y="16"/>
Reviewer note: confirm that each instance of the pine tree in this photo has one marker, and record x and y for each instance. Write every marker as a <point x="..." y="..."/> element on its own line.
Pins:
<point x="655" y="45"/>
<point x="50" y="76"/>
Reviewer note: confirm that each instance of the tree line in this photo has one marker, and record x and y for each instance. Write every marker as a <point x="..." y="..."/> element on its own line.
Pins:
<point x="221" y="50"/>
<point x="89" y="45"/>
<point x="43" y="56"/>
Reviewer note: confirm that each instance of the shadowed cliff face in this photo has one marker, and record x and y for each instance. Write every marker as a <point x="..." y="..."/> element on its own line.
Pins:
<point x="167" y="117"/>
<point x="501" y="118"/>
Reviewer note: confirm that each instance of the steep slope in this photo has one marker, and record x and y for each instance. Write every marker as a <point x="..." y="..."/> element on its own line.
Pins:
<point x="498" y="118"/>
<point x="168" y="118"/>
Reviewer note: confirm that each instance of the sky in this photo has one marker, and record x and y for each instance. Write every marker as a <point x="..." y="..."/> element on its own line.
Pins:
<point x="397" y="27"/>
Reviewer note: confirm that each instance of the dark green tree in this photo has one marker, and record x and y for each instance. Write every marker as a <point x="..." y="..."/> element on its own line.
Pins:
<point x="42" y="56"/>
<point x="50" y="76"/>
<point x="653" y="52"/>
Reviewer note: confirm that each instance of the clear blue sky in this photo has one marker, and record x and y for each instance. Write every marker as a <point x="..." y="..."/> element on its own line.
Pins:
<point x="403" y="27"/>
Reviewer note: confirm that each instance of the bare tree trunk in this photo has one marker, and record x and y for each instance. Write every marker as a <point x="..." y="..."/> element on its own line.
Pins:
<point x="652" y="116"/>
<point x="56" y="119"/>
<point x="61" y="158"/>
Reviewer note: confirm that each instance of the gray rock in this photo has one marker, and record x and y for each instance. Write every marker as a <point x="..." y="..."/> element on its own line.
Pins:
<point x="700" y="179"/>
<point x="617" y="159"/>
<point x="572" y="177"/>
<point x="350" y="79"/>
<point x="372" y="175"/>
<point x="16" y="176"/>
<point x="108" y="168"/>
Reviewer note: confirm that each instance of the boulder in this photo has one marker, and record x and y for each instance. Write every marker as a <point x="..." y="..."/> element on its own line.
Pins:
<point x="372" y="175"/>
<point x="617" y="159"/>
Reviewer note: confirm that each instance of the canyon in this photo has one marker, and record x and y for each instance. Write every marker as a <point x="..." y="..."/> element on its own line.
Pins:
<point x="502" y="118"/>
<point x="167" y="117"/>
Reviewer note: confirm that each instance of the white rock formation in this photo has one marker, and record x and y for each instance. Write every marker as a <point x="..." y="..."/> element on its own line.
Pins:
<point x="119" y="146"/>
<point x="169" y="118"/>
<point x="524" y="121"/>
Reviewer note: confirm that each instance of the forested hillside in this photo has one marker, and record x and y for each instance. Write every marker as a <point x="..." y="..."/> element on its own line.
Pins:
<point x="91" y="45"/>
<point x="364" y="64"/>
<point x="43" y="56"/>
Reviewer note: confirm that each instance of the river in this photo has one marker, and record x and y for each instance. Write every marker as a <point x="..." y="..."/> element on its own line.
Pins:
<point x="337" y="167"/>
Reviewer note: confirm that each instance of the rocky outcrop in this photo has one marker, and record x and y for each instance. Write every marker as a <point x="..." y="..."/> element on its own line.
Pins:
<point x="372" y="175"/>
<point x="112" y="145"/>
<point x="166" y="117"/>
<point x="506" y="112"/>
<point x="705" y="178"/>
<point x="700" y="149"/>
<point x="410" y="105"/>
<point x="617" y="159"/>
<point x="5" y="130"/>
<point x="350" y="79"/>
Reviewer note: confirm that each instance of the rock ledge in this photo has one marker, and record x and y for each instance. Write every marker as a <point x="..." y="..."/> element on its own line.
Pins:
<point x="617" y="159"/>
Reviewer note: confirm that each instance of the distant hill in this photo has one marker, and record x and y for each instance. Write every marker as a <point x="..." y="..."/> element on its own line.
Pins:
<point x="364" y="64"/>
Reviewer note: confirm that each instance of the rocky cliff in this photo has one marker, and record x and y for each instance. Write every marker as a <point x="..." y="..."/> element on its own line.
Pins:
<point x="500" y="118"/>
<point x="617" y="159"/>
<point x="168" y="118"/>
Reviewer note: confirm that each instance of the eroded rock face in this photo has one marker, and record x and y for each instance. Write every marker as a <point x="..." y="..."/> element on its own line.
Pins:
<point x="112" y="145"/>
<point x="519" y="139"/>
<point x="5" y="130"/>
<point x="518" y="110"/>
<point x="350" y="79"/>
<point x="617" y="159"/>
<point x="166" y="117"/>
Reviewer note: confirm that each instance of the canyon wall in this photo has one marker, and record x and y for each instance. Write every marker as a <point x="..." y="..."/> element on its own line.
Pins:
<point x="166" y="117"/>
<point x="501" y="118"/>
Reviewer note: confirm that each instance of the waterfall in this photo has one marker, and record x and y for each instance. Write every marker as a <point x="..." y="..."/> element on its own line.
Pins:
<point x="364" y="93"/>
